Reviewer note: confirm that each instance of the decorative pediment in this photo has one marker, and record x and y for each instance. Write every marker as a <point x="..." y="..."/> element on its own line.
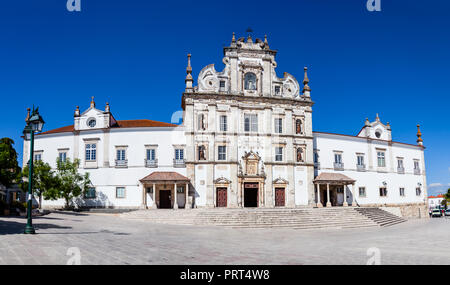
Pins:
<point x="251" y="156"/>
<point x="280" y="180"/>
<point x="222" y="180"/>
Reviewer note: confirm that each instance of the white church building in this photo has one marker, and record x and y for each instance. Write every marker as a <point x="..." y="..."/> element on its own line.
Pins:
<point x="246" y="140"/>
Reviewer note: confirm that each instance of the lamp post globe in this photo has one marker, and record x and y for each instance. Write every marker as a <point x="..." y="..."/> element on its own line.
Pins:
<point x="35" y="123"/>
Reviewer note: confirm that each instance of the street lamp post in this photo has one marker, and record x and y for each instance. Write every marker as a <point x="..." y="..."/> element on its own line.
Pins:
<point x="35" y="123"/>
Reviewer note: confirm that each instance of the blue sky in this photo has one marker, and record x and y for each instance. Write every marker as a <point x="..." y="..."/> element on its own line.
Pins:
<point x="133" y="54"/>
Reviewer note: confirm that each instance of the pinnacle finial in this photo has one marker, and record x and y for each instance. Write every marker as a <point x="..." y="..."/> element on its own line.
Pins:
<point x="92" y="102"/>
<point x="189" y="80"/>
<point x="28" y="115"/>
<point x="107" y="109"/>
<point x="77" y="112"/>
<point x="419" y="136"/>
<point x="377" y="118"/>
<point x="306" y="81"/>
<point x="233" y="39"/>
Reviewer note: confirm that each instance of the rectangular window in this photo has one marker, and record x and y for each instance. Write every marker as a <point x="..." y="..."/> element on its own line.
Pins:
<point x="383" y="192"/>
<point x="316" y="157"/>
<point x="120" y="192"/>
<point x="120" y="154"/>
<point x="278" y="125"/>
<point x="151" y="154"/>
<point x="402" y="192"/>
<point x="180" y="189"/>
<point x="362" y="191"/>
<point x="222" y="152"/>
<point x="277" y="90"/>
<point x="223" y="123"/>
<point x="62" y="156"/>
<point x="278" y="154"/>
<point x="179" y="154"/>
<point x="222" y="85"/>
<point x="38" y="157"/>
<point x="360" y="160"/>
<point x="91" y="152"/>
<point x="418" y="191"/>
<point x="338" y="158"/>
<point x="250" y="123"/>
<point x="400" y="163"/>
<point x="381" y="159"/>
<point x="90" y="193"/>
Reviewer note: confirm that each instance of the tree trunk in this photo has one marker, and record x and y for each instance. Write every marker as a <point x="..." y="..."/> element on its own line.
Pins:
<point x="40" y="201"/>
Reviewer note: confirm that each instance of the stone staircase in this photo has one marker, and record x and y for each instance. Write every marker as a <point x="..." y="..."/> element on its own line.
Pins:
<point x="381" y="217"/>
<point x="304" y="218"/>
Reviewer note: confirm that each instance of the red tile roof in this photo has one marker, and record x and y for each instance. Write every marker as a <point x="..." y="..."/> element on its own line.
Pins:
<point x="333" y="178"/>
<point x="438" y="196"/>
<point x="164" y="176"/>
<point x="120" y="124"/>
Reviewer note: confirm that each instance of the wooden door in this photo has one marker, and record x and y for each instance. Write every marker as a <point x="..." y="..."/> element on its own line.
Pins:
<point x="279" y="197"/>
<point x="221" y="197"/>
<point x="165" y="199"/>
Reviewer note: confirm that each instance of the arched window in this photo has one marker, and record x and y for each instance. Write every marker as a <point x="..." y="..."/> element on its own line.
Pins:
<point x="250" y="81"/>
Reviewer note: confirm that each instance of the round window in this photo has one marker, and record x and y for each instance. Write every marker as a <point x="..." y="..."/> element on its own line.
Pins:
<point x="92" y="123"/>
<point x="378" y="134"/>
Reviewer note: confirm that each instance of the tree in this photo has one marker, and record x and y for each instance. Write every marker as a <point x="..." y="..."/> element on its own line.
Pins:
<point x="9" y="167"/>
<point x="44" y="179"/>
<point x="71" y="184"/>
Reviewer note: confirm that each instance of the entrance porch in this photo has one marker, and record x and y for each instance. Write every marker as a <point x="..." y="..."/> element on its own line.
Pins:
<point x="165" y="190"/>
<point x="332" y="189"/>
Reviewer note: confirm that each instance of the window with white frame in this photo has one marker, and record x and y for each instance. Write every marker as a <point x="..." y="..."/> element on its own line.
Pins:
<point x="120" y="192"/>
<point x="381" y="158"/>
<point x="402" y="192"/>
<point x="38" y="156"/>
<point x="91" y="152"/>
<point x="362" y="191"/>
<point x="222" y="152"/>
<point x="383" y="191"/>
<point x="400" y="163"/>
<point x="179" y="154"/>
<point x="278" y="125"/>
<point x="121" y="154"/>
<point x="278" y="153"/>
<point x="223" y="123"/>
<point x="151" y="154"/>
<point x="62" y="156"/>
<point x="338" y="158"/>
<point x="360" y="159"/>
<point x="250" y="122"/>
<point x="416" y="165"/>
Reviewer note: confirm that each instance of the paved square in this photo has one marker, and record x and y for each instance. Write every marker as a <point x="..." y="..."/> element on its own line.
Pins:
<point x="109" y="239"/>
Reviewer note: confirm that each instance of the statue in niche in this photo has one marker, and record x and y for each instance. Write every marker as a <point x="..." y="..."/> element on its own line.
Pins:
<point x="298" y="126"/>
<point x="201" y="152"/>
<point x="299" y="154"/>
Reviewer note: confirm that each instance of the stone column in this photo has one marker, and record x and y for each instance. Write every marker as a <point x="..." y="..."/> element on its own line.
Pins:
<point x="353" y="196"/>
<point x="175" y="202"/>
<point x="328" y="195"/>
<point x="154" y="206"/>
<point x="319" y="204"/>
<point x="345" y="196"/>
<point x="144" y="200"/>
<point x="187" y="205"/>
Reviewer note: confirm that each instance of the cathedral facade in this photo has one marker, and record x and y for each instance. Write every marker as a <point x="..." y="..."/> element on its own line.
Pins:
<point x="246" y="141"/>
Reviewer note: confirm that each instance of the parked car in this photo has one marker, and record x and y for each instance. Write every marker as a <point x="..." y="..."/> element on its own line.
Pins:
<point x="447" y="212"/>
<point x="436" y="213"/>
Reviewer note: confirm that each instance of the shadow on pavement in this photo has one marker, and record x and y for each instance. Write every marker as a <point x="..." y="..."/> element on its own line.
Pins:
<point x="10" y="227"/>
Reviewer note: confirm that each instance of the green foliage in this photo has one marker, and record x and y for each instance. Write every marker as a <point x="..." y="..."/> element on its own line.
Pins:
<point x="71" y="184"/>
<point x="9" y="167"/>
<point x="44" y="178"/>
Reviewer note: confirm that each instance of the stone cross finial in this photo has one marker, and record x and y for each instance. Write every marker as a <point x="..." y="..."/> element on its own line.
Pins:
<point x="419" y="136"/>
